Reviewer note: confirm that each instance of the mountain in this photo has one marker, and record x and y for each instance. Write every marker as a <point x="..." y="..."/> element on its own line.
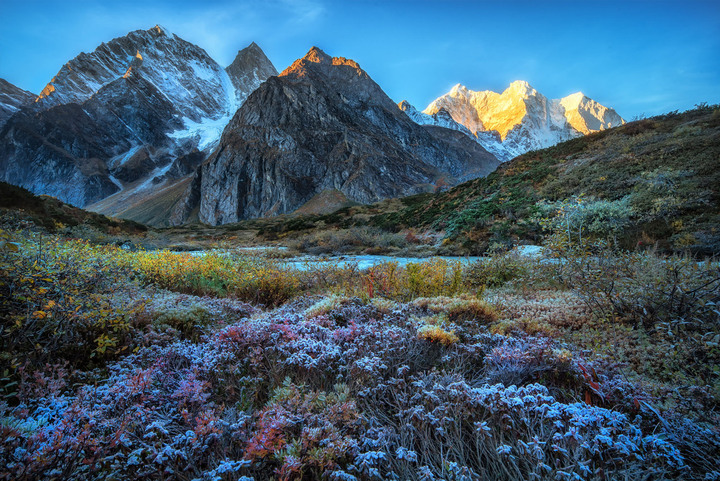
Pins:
<point x="12" y="98"/>
<point x="324" y="125"/>
<point x="183" y="72"/>
<point x="523" y="118"/>
<point x="126" y="119"/>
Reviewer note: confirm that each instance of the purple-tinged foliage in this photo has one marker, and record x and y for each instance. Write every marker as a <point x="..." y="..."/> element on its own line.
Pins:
<point x="351" y="394"/>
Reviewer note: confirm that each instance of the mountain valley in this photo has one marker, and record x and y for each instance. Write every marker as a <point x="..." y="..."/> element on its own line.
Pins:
<point x="236" y="274"/>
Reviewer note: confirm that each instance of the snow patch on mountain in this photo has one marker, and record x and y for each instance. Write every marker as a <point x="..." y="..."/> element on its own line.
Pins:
<point x="205" y="133"/>
<point x="123" y="158"/>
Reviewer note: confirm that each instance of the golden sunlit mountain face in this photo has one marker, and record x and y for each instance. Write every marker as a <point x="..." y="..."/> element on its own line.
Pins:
<point x="317" y="56"/>
<point x="502" y="112"/>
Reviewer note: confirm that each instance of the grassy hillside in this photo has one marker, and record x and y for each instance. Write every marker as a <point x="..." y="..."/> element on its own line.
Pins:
<point x="663" y="173"/>
<point x="54" y="215"/>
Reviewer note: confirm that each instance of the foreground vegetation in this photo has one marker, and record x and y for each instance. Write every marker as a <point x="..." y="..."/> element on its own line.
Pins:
<point x="588" y="363"/>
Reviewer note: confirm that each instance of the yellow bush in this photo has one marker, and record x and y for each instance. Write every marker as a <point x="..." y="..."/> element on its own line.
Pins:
<point x="323" y="306"/>
<point x="437" y="334"/>
<point x="434" y="277"/>
<point x="251" y="279"/>
<point x="531" y="327"/>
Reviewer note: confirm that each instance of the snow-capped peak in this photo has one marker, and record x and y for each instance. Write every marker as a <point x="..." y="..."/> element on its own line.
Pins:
<point x="524" y="118"/>
<point x="160" y="30"/>
<point x="458" y="89"/>
<point x="586" y="115"/>
<point x="521" y="88"/>
<point x="572" y="100"/>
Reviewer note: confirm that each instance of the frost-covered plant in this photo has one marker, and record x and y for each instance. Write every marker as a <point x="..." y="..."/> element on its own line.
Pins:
<point x="349" y="394"/>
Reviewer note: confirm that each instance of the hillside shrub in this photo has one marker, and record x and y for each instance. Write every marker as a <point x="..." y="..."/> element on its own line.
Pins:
<point x="353" y="239"/>
<point x="433" y="277"/>
<point x="58" y="302"/>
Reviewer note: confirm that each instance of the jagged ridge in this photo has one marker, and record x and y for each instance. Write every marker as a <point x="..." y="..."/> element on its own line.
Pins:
<point x="523" y="118"/>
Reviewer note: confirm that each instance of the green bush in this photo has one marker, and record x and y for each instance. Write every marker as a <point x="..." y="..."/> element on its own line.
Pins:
<point x="496" y="270"/>
<point x="191" y="321"/>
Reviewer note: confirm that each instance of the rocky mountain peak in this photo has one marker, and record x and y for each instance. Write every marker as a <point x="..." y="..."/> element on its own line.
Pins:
<point x="159" y="30"/>
<point x="12" y="98"/>
<point x="250" y="68"/>
<point x="316" y="55"/>
<point x="318" y="61"/>
<point x="324" y="126"/>
<point x="406" y="106"/>
<point x="248" y="55"/>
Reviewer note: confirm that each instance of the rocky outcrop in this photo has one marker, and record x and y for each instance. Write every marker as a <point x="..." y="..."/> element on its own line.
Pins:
<point x="323" y="125"/>
<point x="12" y="98"/>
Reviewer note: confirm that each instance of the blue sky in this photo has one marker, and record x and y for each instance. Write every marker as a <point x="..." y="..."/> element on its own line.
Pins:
<point x="640" y="57"/>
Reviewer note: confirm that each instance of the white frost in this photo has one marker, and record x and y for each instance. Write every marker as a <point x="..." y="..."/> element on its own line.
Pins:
<point x="206" y="133"/>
